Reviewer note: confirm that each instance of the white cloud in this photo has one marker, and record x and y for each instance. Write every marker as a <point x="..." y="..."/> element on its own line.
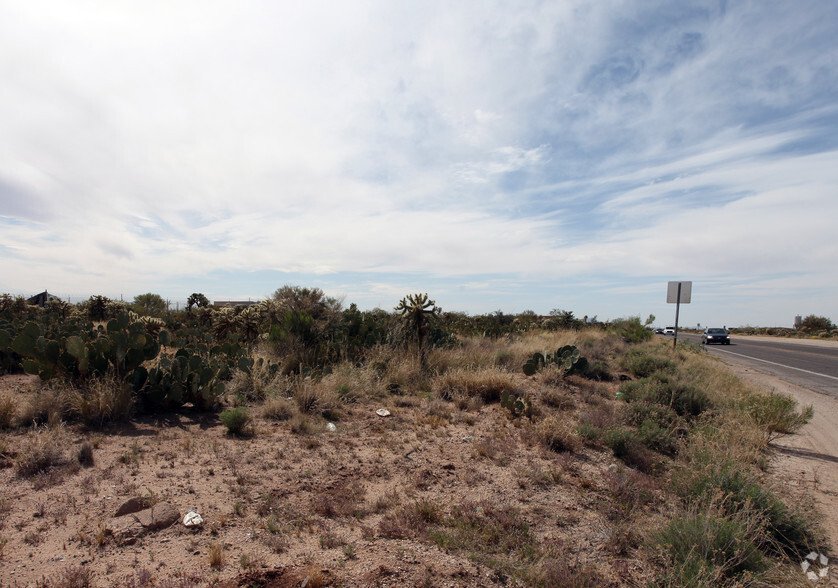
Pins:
<point x="536" y="140"/>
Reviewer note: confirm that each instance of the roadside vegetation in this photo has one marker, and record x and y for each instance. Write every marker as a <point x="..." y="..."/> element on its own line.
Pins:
<point x="542" y="450"/>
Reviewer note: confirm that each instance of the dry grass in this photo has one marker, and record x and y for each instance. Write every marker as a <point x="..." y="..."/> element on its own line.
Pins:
<point x="8" y="410"/>
<point x="558" y="434"/>
<point x="216" y="555"/>
<point x="487" y="384"/>
<point x="277" y="408"/>
<point x="101" y="401"/>
<point x="47" y="405"/>
<point x="40" y="451"/>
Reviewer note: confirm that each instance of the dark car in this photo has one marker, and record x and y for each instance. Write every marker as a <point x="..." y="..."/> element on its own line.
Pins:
<point x="713" y="335"/>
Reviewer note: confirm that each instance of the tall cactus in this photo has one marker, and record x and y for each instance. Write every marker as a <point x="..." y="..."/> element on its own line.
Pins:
<point x="418" y="311"/>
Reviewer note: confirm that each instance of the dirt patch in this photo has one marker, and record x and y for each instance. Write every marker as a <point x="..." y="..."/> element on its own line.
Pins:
<point x="298" y="503"/>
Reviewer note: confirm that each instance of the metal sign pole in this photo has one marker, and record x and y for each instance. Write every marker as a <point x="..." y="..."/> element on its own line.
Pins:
<point x="677" y="310"/>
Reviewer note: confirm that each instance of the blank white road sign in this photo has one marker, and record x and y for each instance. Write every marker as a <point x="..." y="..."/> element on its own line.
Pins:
<point x="672" y="292"/>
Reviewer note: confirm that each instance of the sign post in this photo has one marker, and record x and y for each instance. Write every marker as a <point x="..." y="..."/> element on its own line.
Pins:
<point x="676" y="293"/>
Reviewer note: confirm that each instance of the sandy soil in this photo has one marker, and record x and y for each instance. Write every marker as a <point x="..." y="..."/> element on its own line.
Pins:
<point x="284" y="507"/>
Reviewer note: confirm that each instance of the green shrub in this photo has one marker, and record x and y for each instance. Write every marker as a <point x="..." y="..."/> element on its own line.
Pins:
<point x="626" y="446"/>
<point x="589" y="432"/>
<point x="686" y="400"/>
<point x="643" y="365"/>
<point x="777" y="413"/>
<point x="706" y="547"/>
<point x="631" y="330"/>
<point x="237" y="420"/>
<point x="790" y="532"/>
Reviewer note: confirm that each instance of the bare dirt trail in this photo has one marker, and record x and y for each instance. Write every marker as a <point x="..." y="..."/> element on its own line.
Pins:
<point x="809" y="459"/>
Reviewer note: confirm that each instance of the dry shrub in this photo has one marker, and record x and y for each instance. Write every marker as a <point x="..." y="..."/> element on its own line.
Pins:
<point x="562" y="571"/>
<point x="85" y="455"/>
<point x="558" y="434"/>
<point x="559" y="398"/>
<point x="352" y="382"/>
<point x="341" y="499"/>
<point x="8" y="410"/>
<point x="277" y="408"/>
<point x="315" y="398"/>
<point x="405" y="377"/>
<point x="73" y="577"/>
<point x="411" y="520"/>
<point x="630" y="488"/>
<point x="472" y="353"/>
<point x="487" y="384"/>
<point x="216" y="555"/>
<point x="48" y="405"/>
<point x="302" y="424"/>
<point x="101" y="400"/>
<point x="40" y="451"/>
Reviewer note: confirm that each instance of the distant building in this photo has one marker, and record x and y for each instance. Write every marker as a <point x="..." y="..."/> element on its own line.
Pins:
<point x="232" y="303"/>
<point x="42" y="298"/>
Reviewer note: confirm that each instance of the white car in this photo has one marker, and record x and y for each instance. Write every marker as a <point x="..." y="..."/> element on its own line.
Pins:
<point x="669" y="331"/>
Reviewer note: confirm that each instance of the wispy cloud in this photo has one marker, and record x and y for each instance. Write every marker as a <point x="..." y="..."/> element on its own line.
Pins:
<point x="533" y="155"/>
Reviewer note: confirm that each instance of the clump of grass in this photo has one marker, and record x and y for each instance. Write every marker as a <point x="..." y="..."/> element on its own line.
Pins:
<point x="791" y="533"/>
<point x="278" y="409"/>
<point x="216" y="555"/>
<point x="101" y="400"/>
<point x="47" y="406"/>
<point x="626" y="446"/>
<point x="776" y="414"/>
<point x="85" y="455"/>
<point x="487" y="384"/>
<point x="642" y="363"/>
<point x="237" y="420"/>
<point x="316" y="398"/>
<point x="658" y="427"/>
<point x="684" y="398"/>
<point x="40" y="451"/>
<point x="708" y="547"/>
<point x="559" y="398"/>
<point x="558" y="434"/>
<point x="8" y="410"/>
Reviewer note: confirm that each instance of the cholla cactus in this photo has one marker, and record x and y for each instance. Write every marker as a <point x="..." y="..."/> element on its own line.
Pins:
<point x="418" y="311"/>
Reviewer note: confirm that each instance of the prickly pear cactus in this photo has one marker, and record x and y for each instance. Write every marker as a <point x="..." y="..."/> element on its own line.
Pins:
<point x="567" y="358"/>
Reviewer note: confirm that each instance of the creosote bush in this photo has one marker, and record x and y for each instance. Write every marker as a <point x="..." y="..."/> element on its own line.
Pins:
<point x="237" y="420"/>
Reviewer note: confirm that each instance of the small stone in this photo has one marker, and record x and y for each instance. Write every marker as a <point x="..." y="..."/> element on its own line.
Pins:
<point x="331" y="427"/>
<point x="805" y="565"/>
<point x="812" y="556"/>
<point x="823" y="572"/>
<point x="131" y="506"/>
<point x="192" y="519"/>
<point x="823" y="559"/>
<point x="159" y="516"/>
<point x="812" y="576"/>
<point x="383" y="412"/>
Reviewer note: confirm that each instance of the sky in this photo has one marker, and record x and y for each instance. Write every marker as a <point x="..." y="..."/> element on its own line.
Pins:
<point x="498" y="155"/>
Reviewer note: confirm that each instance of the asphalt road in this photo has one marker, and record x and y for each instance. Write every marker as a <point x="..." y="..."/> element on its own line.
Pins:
<point x="809" y="366"/>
